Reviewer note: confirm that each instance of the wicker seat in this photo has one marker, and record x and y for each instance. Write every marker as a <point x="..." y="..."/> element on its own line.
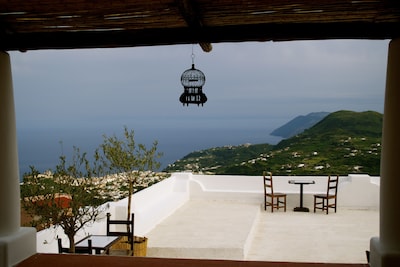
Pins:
<point x="322" y="201"/>
<point x="125" y="245"/>
<point x="270" y="195"/>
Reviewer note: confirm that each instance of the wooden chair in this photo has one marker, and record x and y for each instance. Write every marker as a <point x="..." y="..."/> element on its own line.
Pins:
<point x="87" y="250"/>
<point x="128" y="233"/>
<point x="322" y="201"/>
<point x="270" y="195"/>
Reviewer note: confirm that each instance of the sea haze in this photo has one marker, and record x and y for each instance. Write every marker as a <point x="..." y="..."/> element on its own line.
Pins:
<point x="42" y="147"/>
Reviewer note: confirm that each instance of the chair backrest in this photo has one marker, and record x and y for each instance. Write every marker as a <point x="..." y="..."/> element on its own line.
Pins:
<point x="332" y="185"/>
<point x="61" y="249"/>
<point x="129" y="230"/>
<point x="268" y="185"/>
<point x="87" y="250"/>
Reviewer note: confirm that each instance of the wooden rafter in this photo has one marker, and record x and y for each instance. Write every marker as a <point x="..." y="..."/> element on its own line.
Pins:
<point x="190" y="12"/>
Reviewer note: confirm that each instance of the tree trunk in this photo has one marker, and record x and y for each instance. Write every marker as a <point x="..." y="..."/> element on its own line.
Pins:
<point x="129" y="202"/>
<point x="71" y="243"/>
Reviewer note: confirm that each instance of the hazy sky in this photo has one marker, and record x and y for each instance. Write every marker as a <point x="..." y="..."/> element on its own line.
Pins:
<point x="246" y="84"/>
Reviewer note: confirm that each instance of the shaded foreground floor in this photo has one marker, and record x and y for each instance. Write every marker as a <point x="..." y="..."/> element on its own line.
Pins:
<point x="232" y="230"/>
<point x="49" y="260"/>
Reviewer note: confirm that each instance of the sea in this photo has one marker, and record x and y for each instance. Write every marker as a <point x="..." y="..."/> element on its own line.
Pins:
<point x="42" y="147"/>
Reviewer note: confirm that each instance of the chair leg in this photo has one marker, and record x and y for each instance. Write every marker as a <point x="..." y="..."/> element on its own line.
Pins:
<point x="315" y="203"/>
<point x="59" y="245"/>
<point x="327" y="205"/>
<point x="284" y="198"/>
<point x="272" y="205"/>
<point x="335" y="205"/>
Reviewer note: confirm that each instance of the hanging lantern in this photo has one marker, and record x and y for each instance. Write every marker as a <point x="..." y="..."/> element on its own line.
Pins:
<point x="193" y="81"/>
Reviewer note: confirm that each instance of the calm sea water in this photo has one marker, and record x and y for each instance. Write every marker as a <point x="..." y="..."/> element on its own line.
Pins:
<point x="42" y="147"/>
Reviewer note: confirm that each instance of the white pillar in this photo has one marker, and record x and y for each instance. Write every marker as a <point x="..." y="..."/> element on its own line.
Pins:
<point x="16" y="243"/>
<point x="385" y="249"/>
<point x="9" y="178"/>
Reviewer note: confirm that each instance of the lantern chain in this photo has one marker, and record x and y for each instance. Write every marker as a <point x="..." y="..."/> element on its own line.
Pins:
<point x="193" y="55"/>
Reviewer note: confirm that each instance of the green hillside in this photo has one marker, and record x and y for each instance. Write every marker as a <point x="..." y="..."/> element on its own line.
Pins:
<point x="299" y="124"/>
<point x="343" y="142"/>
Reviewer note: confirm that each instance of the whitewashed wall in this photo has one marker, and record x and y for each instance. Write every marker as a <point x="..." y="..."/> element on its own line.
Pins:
<point x="355" y="191"/>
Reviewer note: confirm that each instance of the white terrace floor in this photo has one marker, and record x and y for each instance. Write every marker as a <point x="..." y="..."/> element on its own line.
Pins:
<point x="220" y="229"/>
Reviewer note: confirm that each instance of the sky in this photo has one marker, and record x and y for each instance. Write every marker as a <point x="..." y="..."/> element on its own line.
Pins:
<point x="249" y="85"/>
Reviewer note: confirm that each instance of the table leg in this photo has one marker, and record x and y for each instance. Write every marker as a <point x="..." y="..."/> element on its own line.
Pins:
<point x="301" y="208"/>
<point x="301" y="195"/>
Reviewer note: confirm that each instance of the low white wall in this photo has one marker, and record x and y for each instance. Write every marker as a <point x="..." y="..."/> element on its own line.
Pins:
<point x="250" y="188"/>
<point x="254" y="184"/>
<point x="152" y="205"/>
<point x="354" y="191"/>
<point x="161" y="200"/>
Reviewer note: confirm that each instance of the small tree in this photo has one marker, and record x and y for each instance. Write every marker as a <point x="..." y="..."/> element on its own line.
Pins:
<point x="128" y="159"/>
<point x="68" y="199"/>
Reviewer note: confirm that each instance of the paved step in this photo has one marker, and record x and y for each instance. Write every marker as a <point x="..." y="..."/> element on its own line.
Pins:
<point x="205" y="230"/>
<point x="341" y="237"/>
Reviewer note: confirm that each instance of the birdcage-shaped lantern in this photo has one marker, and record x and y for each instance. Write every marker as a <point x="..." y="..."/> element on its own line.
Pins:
<point x="193" y="81"/>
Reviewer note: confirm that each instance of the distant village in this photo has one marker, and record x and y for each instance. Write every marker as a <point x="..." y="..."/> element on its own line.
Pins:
<point x="115" y="186"/>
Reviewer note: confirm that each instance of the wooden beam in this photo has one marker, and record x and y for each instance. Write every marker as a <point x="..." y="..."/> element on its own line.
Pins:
<point x="237" y="33"/>
<point x="191" y="14"/>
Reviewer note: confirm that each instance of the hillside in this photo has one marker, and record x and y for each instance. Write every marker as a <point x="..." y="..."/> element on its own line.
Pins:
<point x="299" y="124"/>
<point x="343" y="142"/>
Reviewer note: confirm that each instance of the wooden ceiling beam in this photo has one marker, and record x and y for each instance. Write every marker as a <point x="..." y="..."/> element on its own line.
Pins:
<point x="191" y="14"/>
<point x="152" y="37"/>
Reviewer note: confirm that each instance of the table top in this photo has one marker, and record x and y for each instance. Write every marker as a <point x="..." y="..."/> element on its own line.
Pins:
<point x="301" y="182"/>
<point x="98" y="241"/>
